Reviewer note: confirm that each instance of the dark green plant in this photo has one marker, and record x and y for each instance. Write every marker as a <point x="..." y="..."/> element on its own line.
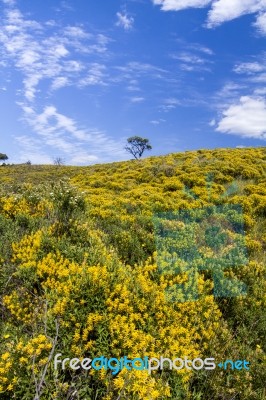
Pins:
<point x="137" y="145"/>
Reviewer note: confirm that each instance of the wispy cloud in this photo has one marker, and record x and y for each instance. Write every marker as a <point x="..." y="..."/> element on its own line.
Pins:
<point x="203" y="49"/>
<point x="124" y="20"/>
<point x="177" y="5"/>
<point x="62" y="134"/>
<point x="140" y="68"/>
<point x="96" y="75"/>
<point x="260" y="23"/>
<point x="9" y="2"/>
<point x="254" y="72"/>
<point x="136" y="75"/>
<point x="47" y="56"/>
<point x="40" y="57"/>
<point x="157" y="121"/>
<point x="169" y="104"/>
<point x="193" y="57"/>
<point x="189" y="58"/>
<point x="229" y="93"/>
<point x="133" y="86"/>
<point x="32" y="149"/>
<point x="59" y="82"/>
<point x="221" y="10"/>
<point x="249" y="68"/>
<point x="192" y="62"/>
<point x="137" y="99"/>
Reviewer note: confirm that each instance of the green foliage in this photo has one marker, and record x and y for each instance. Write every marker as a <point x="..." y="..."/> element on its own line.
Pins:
<point x="3" y="157"/>
<point x="67" y="202"/>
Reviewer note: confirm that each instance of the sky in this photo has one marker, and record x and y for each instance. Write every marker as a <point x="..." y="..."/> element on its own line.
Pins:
<point x="79" y="77"/>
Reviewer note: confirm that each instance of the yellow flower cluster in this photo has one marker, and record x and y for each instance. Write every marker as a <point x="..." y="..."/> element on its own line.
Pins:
<point x="140" y="385"/>
<point x="37" y="345"/>
<point x="7" y="380"/>
<point x="20" y="305"/>
<point x="12" y="206"/>
<point x="100" y="279"/>
<point x="25" y="252"/>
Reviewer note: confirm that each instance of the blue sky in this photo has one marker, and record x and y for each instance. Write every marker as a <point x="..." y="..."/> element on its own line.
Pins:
<point x="78" y="77"/>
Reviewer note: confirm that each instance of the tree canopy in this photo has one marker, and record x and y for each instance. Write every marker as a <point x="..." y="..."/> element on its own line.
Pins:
<point x="3" y="157"/>
<point x="137" y="145"/>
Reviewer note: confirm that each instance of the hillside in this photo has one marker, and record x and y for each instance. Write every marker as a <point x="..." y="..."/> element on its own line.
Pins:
<point x="163" y="256"/>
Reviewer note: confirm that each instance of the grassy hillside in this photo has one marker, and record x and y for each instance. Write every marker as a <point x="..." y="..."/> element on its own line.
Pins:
<point x="85" y="272"/>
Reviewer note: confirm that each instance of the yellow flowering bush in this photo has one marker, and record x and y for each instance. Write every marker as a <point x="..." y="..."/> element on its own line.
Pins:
<point x="82" y="275"/>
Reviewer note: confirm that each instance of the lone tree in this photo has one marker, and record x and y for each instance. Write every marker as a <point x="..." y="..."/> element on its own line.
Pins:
<point x="3" y="157"/>
<point x="137" y="145"/>
<point x="59" y="161"/>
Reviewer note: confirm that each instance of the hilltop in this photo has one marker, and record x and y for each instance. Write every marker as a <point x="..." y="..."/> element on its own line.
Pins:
<point x="84" y="271"/>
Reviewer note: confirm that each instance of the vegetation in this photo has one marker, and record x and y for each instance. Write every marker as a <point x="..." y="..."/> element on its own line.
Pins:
<point x="59" y="161"/>
<point x="81" y="274"/>
<point x="137" y="145"/>
<point x="3" y="157"/>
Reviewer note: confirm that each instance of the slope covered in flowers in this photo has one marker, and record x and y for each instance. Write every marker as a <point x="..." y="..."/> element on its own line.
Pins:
<point x="80" y="275"/>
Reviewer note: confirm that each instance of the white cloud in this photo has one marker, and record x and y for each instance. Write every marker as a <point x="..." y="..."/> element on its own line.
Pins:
<point x="60" y="51"/>
<point x="247" y="118"/>
<point x="59" y="82"/>
<point x="47" y="56"/>
<point x="62" y="134"/>
<point x="40" y="55"/>
<point x="137" y="99"/>
<point x="30" y="85"/>
<point x="260" y="23"/>
<point x="83" y="158"/>
<point x="76" y="32"/>
<point x="31" y="149"/>
<point x="157" y="121"/>
<point x="242" y="103"/>
<point x="226" y="10"/>
<point x="141" y="68"/>
<point x="134" y="72"/>
<point x="125" y="21"/>
<point x="169" y="104"/>
<point x="205" y="50"/>
<point x="260" y="91"/>
<point x="190" y="58"/>
<point x="249" y="68"/>
<point x="177" y="5"/>
<point x="133" y="85"/>
<point x="28" y="57"/>
<point x="192" y="62"/>
<point x="196" y="47"/>
<point x="261" y="78"/>
<point x="229" y="94"/>
<point x="172" y="101"/>
<point x="95" y="76"/>
<point x="221" y="10"/>
<point x="255" y="71"/>
<point x="9" y="2"/>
